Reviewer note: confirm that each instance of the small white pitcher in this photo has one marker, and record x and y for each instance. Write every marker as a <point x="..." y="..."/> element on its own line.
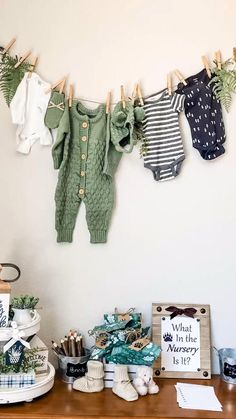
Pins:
<point x="22" y="316"/>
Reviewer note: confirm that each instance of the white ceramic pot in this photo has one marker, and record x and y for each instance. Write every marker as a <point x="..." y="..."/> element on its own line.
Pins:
<point x="22" y="316"/>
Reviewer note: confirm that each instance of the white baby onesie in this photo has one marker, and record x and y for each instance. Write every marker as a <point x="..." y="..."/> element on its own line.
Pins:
<point x="28" y="108"/>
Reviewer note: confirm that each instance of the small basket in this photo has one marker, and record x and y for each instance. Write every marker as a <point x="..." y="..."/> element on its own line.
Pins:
<point x="72" y="367"/>
<point x="227" y="357"/>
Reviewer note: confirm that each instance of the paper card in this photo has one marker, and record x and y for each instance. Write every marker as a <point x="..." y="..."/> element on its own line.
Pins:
<point x="124" y="317"/>
<point x="139" y="344"/>
<point x="180" y="344"/>
<point x="102" y="342"/>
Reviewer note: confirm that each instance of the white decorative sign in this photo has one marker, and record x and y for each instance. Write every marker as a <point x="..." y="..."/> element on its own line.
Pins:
<point x="180" y="344"/>
<point x="4" y="309"/>
<point x="40" y="355"/>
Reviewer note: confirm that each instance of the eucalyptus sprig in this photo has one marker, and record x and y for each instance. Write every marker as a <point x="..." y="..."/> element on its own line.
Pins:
<point x="24" y="301"/>
<point x="223" y="83"/>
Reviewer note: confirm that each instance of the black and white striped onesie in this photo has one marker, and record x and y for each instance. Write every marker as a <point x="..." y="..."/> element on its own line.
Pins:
<point x="162" y="146"/>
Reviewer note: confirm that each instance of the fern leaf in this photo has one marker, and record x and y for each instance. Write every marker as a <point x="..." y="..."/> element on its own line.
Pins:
<point x="10" y="77"/>
<point x="223" y="83"/>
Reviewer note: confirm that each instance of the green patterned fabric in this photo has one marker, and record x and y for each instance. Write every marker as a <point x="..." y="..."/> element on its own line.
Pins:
<point x="87" y="161"/>
<point x="119" y="337"/>
<point x="125" y="355"/>
<point x="110" y="327"/>
<point x="114" y="337"/>
<point x="134" y="321"/>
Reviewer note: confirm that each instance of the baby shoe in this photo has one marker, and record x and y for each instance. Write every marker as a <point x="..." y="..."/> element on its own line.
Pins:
<point x="139" y="114"/>
<point x="122" y="386"/>
<point x="93" y="380"/>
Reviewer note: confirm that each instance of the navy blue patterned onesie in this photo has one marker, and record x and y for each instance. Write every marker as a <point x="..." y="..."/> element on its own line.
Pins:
<point x="204" y="115"/>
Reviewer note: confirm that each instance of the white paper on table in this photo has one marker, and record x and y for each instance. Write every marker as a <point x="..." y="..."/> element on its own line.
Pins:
<point x="200" y="397"/>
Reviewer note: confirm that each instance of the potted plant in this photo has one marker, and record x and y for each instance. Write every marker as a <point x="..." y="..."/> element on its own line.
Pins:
<point x="22" y="307"/>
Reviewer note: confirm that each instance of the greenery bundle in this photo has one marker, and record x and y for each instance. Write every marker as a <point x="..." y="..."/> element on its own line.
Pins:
<point x="223" y="83"/>
<point x="10" y="77"/>
<point x="24" y="301"/>
<point x="25" y="366"/>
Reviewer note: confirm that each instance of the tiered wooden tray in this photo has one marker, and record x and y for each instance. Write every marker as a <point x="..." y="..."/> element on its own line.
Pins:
<point x="43" y="383"/>
<point x="27" y="394"/>
<point x="30" y="329"/>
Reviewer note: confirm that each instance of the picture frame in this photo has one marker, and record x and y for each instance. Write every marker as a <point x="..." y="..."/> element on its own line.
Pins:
<point x="183" y="333"/>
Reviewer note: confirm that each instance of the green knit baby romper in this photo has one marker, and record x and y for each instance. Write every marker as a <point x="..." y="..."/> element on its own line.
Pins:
<point x="87" y="161"/>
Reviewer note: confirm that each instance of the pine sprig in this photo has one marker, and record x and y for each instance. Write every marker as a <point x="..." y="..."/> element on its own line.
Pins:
<point x="10" y="77"/>
<point x="223" y="84"/>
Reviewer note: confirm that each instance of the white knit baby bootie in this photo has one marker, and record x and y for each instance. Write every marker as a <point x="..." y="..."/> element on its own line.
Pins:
<point x="93" y="381"/>
<point x="122" y="386"/>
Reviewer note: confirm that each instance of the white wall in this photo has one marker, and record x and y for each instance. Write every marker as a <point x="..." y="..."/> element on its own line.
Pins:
<point x="172" y="241"/>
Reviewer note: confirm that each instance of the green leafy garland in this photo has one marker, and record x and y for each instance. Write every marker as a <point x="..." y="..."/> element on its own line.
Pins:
<point x="10" y="77"/>
<point x="24" y="367"/>
<point x="224" y="83"/>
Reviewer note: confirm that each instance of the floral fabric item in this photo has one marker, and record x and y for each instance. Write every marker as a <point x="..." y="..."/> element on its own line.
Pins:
<point x="133" y="319"/>
<point x="125" y="355"/>
<point x="114" y="337"/>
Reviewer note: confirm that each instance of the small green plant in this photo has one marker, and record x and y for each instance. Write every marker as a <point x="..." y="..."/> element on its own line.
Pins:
<point x="10" y="77"/>
<point x="223" y="83"/>
<point x="24" y="301"/>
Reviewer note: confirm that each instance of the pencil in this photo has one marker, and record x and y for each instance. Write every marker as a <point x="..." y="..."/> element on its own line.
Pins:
<point x="72" y="346"/>
<point x="56" y="348"/>
<point x="64" y="347"/>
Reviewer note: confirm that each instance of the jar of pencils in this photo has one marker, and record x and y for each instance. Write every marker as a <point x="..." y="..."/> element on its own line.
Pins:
<point x="72" y="357"/>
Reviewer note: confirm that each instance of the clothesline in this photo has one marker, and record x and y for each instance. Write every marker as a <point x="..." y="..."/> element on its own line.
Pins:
<point x="218" y="61"/>
<point x="115" y="103"/>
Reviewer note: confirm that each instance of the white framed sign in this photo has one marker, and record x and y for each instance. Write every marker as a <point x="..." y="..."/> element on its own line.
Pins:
<point x="180" y="344"/>
<point x="183" y="333"/>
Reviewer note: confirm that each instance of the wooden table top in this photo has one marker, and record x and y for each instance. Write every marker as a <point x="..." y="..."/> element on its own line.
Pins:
<point x="64" y="402"/>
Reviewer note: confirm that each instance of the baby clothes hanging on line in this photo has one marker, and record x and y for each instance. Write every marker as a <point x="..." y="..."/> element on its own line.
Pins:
<point x="28" y="108"/>
<point x="55" y="109"/>
<point x="124" y="126"/>
<point x="163" y="151"/>
<point x="87" y="161"/>
<point x="204" y="115"/>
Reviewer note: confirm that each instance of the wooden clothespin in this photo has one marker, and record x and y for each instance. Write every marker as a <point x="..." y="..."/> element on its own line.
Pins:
<point x="169" y="83"/>
<point x="58" y="83"/>
<point x="206" y="65"/>
<point x="32" y="66"/>
<point x="134" y="94"/>
<point x="140" y="95"/>
<point x="71" y="95"/>
<point x="108" y="103"/>
<point x="180" y="77"/>
<point x="8" y="46"/>
<point x="62" y="85"/>
<point x="218" y="59"/>
<point x="234" y="54"/>
<point x="22" y="59"/>
<point x="122" y="95"/>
